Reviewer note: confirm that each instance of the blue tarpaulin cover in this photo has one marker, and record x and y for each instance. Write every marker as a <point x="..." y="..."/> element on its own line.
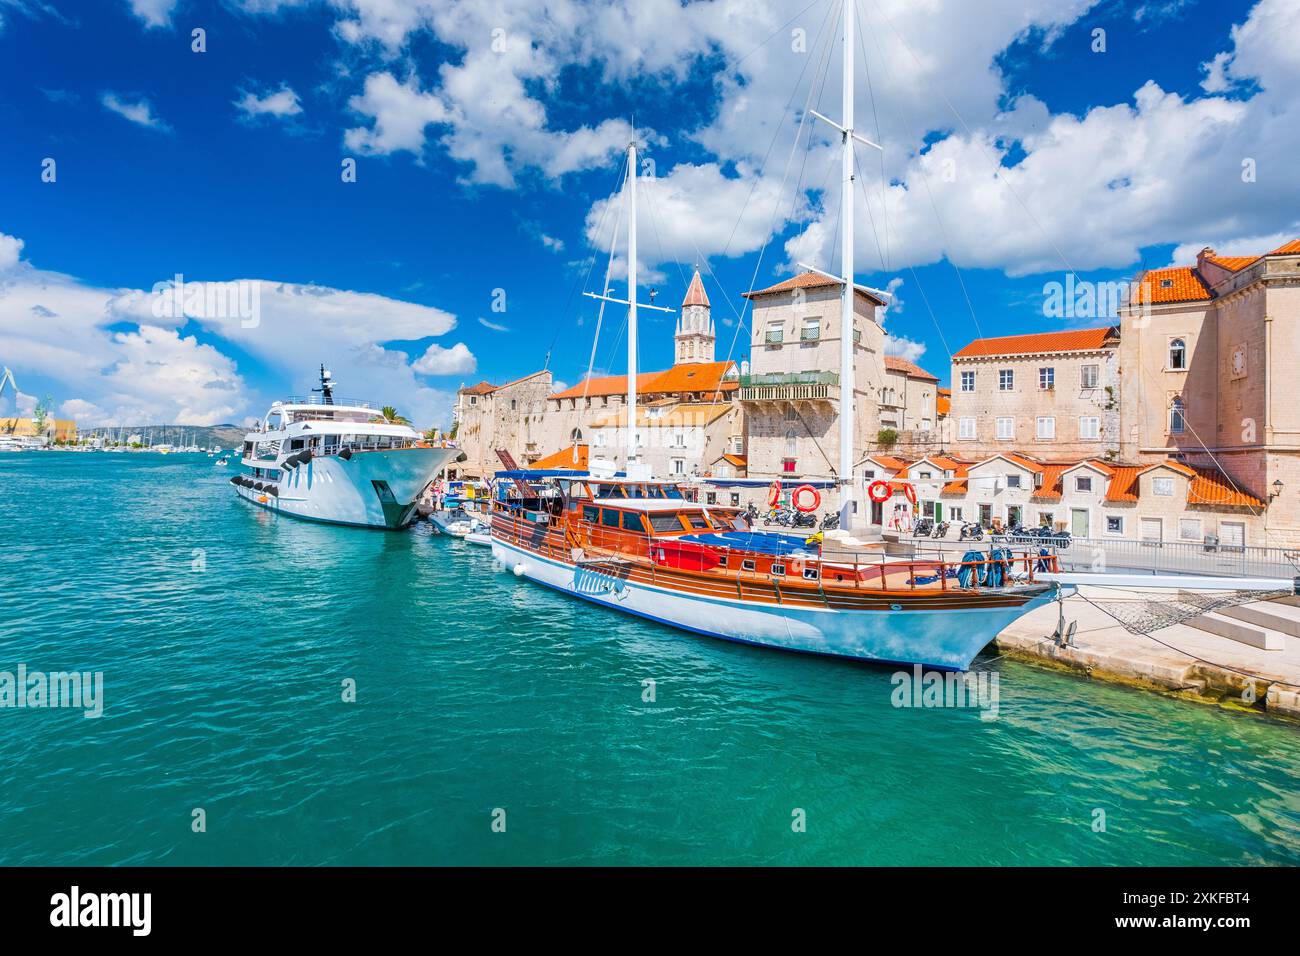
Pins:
<point x="779" y="544"/>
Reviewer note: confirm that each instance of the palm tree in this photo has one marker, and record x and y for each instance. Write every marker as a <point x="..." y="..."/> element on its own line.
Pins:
<point x="389" y="414"/>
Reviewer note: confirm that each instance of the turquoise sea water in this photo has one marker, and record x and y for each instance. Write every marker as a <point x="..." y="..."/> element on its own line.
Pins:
<point x="224" y="635"/>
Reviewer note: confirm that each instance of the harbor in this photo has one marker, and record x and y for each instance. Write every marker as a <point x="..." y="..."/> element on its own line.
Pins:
<point x="605" y="738"/>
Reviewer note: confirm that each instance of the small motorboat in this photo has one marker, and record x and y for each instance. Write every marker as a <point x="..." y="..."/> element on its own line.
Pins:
<point x="456" y="522"/>
<point x="480" y="536"/>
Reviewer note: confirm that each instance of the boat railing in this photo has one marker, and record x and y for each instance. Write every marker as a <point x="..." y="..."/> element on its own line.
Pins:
<point x="317" y="399"/>
<point x="998" y="568"/>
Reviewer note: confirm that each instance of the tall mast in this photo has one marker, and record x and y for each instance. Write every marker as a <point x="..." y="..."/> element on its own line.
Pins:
<point x="631" y="301"/>
<point x="847" y="380"/>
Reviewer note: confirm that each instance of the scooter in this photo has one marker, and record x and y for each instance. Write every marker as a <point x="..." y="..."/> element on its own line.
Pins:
<point x="830" y="521"/>
<point x="970" y="531"/>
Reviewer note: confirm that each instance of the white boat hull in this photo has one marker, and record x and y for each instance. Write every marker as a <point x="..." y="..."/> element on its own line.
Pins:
<point x="373" y="489"/>
<point x="944" y="640"/>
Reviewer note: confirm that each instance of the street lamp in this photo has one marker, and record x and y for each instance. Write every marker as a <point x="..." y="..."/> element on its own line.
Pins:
<point x="1277" y="489"/>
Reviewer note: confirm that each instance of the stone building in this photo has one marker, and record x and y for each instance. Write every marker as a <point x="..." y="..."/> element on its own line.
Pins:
<point x="792" y="391"/>
<point x="1051" y="394"/>
<point x="510" y="417"/>
<point x="1207" y="353"/>
<point x="687" y="415"/>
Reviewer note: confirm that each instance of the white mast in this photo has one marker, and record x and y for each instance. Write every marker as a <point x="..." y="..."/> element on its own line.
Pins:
<point x="847" y="380"/>
<point x="631" y="302"/>
<point x="848" y="289"/>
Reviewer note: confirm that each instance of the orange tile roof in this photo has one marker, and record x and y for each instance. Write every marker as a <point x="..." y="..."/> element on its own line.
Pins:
<point x="943" y="401"/>
<point x="564" y="458"/>
<point x="1123" y="483"/>
<point x="891" y="462"/>
<point x="694" y="377"/>
<point x="896" y="363"/>
<point x="1232" y="263"/>
<point x="955" y="487"/>
<point x="482" y="388"/>
<point x="1211" y="487"/>
<point x="1050" y="490"/>
<point x="1178" y="284"/>
<point x="1074" y="340"/>
<point x="738" y="460"/>
<point x="805" y="280"/>
<point x="1287" y="248"/>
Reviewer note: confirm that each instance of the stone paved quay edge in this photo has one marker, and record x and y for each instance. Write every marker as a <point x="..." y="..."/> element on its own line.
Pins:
<point x="1179" y="660"/>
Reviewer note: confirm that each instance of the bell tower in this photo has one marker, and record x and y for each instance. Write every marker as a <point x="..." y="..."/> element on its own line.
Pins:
<point x="694" y="337"/>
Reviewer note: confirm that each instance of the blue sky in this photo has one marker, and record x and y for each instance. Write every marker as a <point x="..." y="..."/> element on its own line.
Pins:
<point x="487" y="138"/>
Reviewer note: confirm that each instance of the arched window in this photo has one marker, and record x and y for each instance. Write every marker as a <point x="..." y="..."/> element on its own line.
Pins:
<point x="1178" y="355"/>
<point x="1177" y="417"/>
<point x="576" y="435"/>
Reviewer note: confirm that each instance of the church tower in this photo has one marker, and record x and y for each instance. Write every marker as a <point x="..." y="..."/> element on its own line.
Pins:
<point x="694" y="338"/>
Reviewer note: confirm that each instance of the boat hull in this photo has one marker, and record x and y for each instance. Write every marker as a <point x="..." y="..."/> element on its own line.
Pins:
<point x="943" y="639"/>
<point x="374" y="489"/>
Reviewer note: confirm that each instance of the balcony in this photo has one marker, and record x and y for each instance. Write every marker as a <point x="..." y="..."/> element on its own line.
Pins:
<point x="774" y="338"/>
<point x="790" y="387"/>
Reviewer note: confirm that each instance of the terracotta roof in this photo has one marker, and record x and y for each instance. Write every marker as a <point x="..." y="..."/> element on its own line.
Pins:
<point x="955" y="487"/>
<point x="943" y="401"/>
<point x="1123" y="483"/>
<point x="896" y="363"/>
<point x="1211" y="487"/>
<point x="1179" y="284"/>
<point x="706" y="377"/>
<point x="1287" y="248"/>
<point x="695" y="292"/>
<point x="1074" y="340"/>
<point x="806" y="280"/>
<point x="892" y="462"/>
<point x="564" y="458"/>
<point x="1232" y="263"/>
<point x="738" y="460"/>
<point x="482" y="388"/>
<point x="1050" y="490"/>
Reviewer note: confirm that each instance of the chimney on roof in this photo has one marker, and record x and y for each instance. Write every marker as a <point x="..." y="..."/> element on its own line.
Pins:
<point x="1206" y="253"/>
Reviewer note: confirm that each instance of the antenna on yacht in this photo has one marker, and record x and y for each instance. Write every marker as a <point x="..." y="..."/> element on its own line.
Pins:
<point x="326" y="386"/>
<point x="847" y="286"/>
<point x="630" y="301"/>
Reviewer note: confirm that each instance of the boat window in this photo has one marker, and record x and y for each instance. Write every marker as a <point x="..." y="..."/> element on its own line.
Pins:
<point x="722" y="561"/>
<point x="672" y="491"/>
<point x="696" y="520"/>
<point x="590" y="514"/>
<point x="609" y="518"/>
<point x="633" y="521"/>
<point x="666" y="522"/>
<point x="778" y="569"/>
<point x="747" y="565"/>
<point x="810" y="574"/>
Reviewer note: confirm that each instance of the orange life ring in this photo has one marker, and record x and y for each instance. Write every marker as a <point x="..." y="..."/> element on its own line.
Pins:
<point x="909" y="493"/>
<point x="806" y="489"/>
<point x="774" y="494"/>
<point x="879" y="491"/>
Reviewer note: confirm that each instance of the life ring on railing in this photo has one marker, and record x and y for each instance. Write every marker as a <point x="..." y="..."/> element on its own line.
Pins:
<point x="774" y="493"/>
<point x="809" y="490"/>
<point x="909" y="493"/>
<point x="879" y="491"/>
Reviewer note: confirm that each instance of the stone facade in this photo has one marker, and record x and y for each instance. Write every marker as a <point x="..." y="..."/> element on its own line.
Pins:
<point x="1207" y="353"/>
<point x="791" y="391"/>
<point x="510" y="417"/>
<point x="1050" y="394"/>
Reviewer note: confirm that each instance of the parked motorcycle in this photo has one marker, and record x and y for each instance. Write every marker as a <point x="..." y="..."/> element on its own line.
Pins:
<point x="922" y="527"/>
<point x="971" y="531"/>
<point x="803" y="519"/>
<point x="940" y="530"/>
<point x="830" y="521"/>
